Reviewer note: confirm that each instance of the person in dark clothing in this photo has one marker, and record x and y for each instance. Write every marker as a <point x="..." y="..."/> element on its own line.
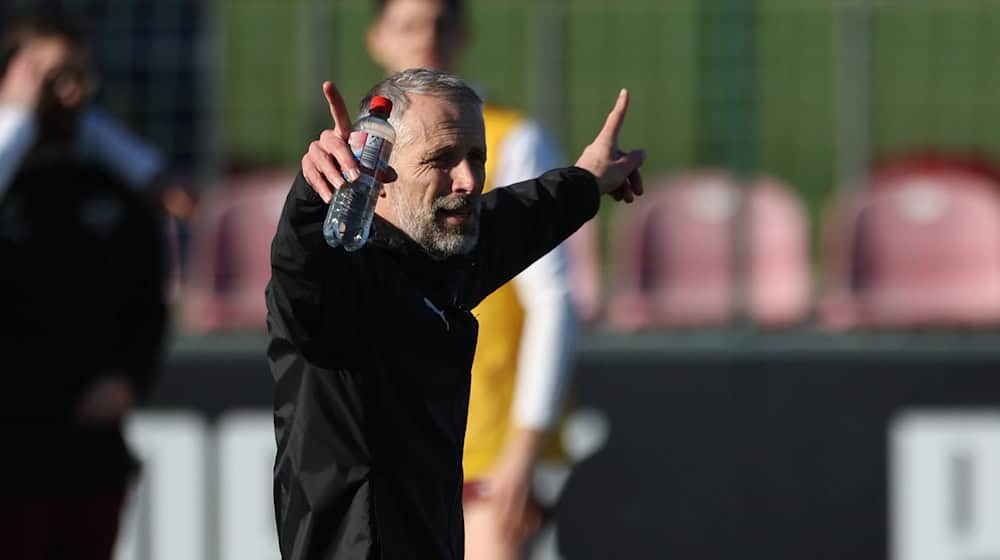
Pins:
<point x="83" y="303"/>
<point x="371" y="350"/>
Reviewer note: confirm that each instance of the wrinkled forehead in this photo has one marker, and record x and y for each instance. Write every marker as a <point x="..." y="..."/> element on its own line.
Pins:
<point x="430" y="119"/>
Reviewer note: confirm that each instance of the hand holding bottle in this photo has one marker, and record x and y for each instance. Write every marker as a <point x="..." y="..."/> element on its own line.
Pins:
<point x="329" y="159"/>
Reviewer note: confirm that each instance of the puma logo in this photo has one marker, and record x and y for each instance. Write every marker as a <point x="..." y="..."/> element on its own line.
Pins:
<point x="439" y="313"/>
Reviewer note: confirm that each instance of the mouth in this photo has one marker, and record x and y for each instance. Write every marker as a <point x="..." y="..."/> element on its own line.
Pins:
<point x="456" y="217"/>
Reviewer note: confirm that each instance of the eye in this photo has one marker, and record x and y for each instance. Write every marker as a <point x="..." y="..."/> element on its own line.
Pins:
<point x="444" y="162"/>
<point x="477" y="156"/>
<point x="444" y="159"/>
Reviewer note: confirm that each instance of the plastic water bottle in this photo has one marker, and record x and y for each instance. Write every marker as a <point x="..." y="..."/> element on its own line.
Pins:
<point x="349" y="218"/>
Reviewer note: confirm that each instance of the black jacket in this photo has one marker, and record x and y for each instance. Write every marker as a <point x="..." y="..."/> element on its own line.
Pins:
<point x="81" y="296"/>
<point x="371" y="353"/>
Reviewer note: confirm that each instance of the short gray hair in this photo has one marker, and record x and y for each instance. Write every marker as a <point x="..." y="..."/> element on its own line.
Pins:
<point x="419" y="81"/>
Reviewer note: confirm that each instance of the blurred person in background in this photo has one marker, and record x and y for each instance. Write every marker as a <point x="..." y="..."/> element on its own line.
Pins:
<point x="102" y="140"/>
<point x="82" y="297"/>
<point x="98" y="138"/>
<point x="526" y="328"/>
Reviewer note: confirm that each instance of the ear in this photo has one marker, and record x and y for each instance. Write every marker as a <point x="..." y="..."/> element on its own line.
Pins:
<point x="384" y="207"/>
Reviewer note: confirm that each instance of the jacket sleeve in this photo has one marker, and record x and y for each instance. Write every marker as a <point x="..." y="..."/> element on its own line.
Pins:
<point x="103" y="140"/>
<point x="303" y="269"/>
<point x="524" y="221"/>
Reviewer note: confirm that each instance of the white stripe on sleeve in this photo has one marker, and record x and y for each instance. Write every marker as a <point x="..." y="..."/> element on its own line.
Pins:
<point x="18" y="131"/>
<point x="103" y="140"/>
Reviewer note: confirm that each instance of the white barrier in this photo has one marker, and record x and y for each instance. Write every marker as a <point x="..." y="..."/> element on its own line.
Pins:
<point x="205" y="491"/>
<point x="945" y="486"/>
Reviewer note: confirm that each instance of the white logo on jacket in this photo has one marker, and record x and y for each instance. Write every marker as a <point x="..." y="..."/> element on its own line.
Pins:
<point x="439" y="313"/>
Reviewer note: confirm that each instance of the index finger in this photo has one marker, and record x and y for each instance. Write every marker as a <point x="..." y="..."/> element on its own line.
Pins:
<point x="616" y="117"/>
<point x="338" y="110"/>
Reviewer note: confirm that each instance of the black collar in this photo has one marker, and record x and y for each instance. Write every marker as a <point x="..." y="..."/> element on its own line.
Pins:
<point x="445" y="277"/>
<point x="384" y="234"/>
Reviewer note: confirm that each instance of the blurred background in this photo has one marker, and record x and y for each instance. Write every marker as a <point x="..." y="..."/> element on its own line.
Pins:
<point x="791" y="351"/>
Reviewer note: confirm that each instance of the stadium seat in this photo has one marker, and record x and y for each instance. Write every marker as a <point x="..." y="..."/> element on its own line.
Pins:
<point x="676" y="255"/>
<point x="780" y="283"/>
<point x="919" y="249"/>
<point x="230" y="252"/>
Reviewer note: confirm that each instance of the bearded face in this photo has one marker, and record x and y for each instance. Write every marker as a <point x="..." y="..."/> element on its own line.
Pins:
<point x="441" y="164"/>
<point x="446" y="227"/>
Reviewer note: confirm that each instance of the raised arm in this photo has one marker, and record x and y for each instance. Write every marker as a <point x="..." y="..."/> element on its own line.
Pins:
<point x="304" y="269"/>
<point x="524" y="221"/>
<point x="300" y="264"/>
<point x="20" y="91"/>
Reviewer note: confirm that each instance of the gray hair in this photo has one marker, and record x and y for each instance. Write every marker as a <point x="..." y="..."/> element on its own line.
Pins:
<point x="419" y="81"/>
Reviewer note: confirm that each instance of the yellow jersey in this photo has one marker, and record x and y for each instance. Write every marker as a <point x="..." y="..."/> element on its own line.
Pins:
<point x="501" y="319"/>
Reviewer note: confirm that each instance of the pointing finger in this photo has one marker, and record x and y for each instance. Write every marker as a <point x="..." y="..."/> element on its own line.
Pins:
<point x="338" y="110"/>
<point x="613" y="124"/>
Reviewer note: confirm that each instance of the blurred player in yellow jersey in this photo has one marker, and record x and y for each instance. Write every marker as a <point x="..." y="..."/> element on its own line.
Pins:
<point x="526" y="328"/>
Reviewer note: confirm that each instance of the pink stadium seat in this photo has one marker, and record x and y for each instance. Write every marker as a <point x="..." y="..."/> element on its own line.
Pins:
<point x="919" y="249"/>
<point x="676" y="255"/>
<point x="779" y="278"/>
<point x="230" y="251"/>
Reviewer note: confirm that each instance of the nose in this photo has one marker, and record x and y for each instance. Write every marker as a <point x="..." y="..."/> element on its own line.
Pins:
<point x="424" y="40"/>
<point x="464" y="179"/>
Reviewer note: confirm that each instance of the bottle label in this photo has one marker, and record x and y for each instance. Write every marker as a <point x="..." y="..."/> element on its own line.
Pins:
<point x="371" y="151"/>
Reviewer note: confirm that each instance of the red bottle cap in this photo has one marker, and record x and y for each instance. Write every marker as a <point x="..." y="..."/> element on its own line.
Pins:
<point x="380" y="104"/>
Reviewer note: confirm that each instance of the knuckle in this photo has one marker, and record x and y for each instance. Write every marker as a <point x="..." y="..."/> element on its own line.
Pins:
<point x="325" y="135"/>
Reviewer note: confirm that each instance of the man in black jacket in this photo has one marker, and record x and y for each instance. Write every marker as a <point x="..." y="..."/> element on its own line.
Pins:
<point x="83" y="309"/>
<point x="371" y="350"/>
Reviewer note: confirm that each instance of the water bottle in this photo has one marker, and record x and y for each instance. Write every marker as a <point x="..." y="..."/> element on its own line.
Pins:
<point x="350" y="215"/>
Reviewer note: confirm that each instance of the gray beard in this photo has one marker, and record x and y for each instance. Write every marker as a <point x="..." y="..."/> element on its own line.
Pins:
<point x="439" y="240"/>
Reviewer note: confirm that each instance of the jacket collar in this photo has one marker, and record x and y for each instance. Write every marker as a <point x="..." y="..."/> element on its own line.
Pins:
<point x="445" y="276"/>
<point x="384" y="234"/>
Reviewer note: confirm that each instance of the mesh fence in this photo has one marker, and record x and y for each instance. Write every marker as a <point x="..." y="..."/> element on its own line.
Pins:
<point x="154" y="63"/>
<point x="787" y="87"/>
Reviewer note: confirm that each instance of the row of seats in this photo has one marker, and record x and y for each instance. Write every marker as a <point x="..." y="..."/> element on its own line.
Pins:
<point x="681" y="256"/>
<point x="917" y="247"/>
